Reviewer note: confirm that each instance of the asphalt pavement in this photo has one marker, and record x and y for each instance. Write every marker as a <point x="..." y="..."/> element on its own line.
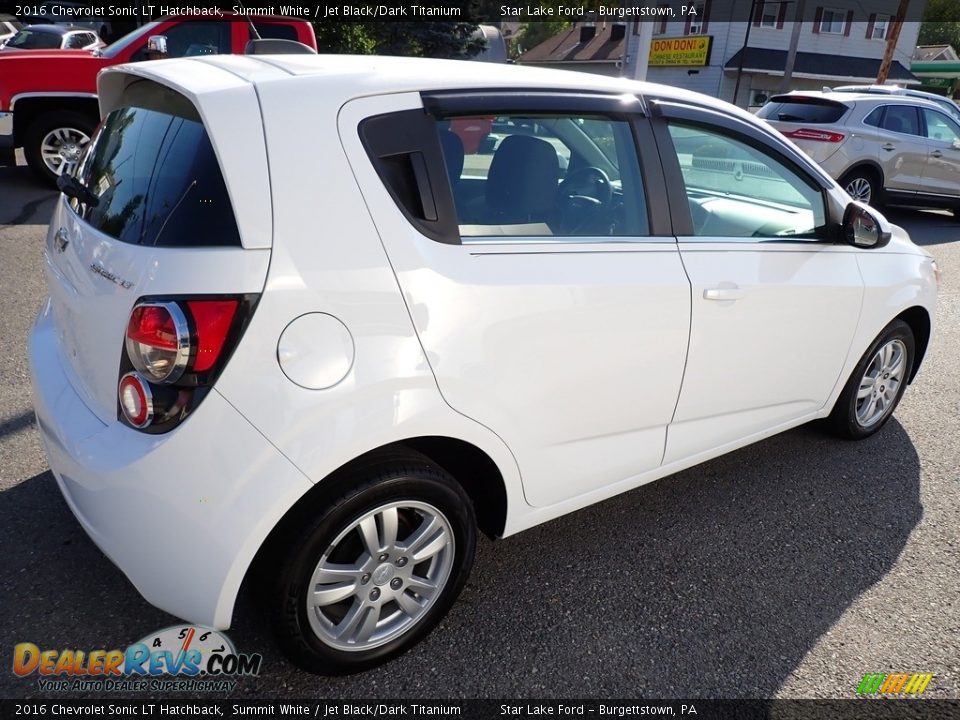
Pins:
<point x="789" y="568"/>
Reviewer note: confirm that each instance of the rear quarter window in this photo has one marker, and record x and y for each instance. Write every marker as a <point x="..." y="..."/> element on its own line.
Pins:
<point x="802" y="110"/>
<point x="157" y="181"/>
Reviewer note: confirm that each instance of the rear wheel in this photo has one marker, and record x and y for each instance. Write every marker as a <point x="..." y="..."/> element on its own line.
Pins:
<point x="376" y="569"/>
<point x="876" y="385"/>
<point x="862" y="186"/>
<point x="55" y="143"/>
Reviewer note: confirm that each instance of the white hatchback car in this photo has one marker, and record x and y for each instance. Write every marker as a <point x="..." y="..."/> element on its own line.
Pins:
<point x="298" y="326"/>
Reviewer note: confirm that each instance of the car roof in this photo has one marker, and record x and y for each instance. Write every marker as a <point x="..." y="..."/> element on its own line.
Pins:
<point x="54" y="29"/>
<point x="349" y="76"/>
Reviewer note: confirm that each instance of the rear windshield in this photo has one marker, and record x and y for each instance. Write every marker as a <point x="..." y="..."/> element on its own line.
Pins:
<point x="802" y="110"/>
<point x="157" y="181"/>
<point x="35" y="40"/>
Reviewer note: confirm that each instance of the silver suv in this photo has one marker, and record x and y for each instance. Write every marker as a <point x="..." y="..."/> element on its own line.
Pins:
<point x="946" y="103"/>
<point x="881" y="148"/>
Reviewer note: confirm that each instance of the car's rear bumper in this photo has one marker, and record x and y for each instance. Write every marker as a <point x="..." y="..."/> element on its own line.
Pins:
<point x="181" y="514"/>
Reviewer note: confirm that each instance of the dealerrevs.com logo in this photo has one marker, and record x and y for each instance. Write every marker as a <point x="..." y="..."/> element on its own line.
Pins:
<point x="180" y="658"/>
<point x="894" y="683"/>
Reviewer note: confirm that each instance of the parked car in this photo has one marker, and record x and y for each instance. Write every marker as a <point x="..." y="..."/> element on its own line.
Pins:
<point x="9" y="26"/>
<point x="227" y="387"/>
<point x="77" y="13"/>
<point x="53" y="37"/>
<point x="881" y="148"/>
<point x="48" y="101"/>
<point x="946" y="103"/>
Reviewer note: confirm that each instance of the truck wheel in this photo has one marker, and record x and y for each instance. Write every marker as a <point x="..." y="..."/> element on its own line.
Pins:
<point x="55" y="142"/>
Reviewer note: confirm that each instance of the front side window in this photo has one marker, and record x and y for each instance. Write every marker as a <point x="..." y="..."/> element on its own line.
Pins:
<point x="191" y="39"/>
<point x="833" y="21"/>
<point x="157" y="182"/>
<point x="940" y="127"/>
<point x="738" y="190"/>
<point x="543" y="175"/>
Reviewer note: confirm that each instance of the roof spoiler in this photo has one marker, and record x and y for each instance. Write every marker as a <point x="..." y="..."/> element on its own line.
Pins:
<point x="277" y="46"/>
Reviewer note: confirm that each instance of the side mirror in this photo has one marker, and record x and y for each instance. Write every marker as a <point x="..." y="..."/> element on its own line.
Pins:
<point x="157" y="44"/>
<point x="864" y="227"/>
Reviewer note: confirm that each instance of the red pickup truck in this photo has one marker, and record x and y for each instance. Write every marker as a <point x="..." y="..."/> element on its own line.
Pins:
<point x="48" y="101"/>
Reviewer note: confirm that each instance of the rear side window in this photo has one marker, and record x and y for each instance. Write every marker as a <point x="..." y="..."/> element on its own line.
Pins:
<point x="274" y="31"/>
<point x="802" y="110"/>
<point x="157" y="181"/>
<point x="875" y="118"/>
<point x="901" y="119"/>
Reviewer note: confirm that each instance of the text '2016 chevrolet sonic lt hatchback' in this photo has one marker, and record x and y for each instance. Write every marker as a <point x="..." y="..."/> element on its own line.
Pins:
<point x="322" y="318"/>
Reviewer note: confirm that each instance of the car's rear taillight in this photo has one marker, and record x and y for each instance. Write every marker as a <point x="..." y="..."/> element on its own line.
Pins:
<point x="820" y="135"/>
<point x="174" y="350"/>
<point x="158" y="341"/>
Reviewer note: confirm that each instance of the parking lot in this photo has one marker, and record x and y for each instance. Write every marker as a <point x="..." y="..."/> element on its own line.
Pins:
<point x="789" y="568"/>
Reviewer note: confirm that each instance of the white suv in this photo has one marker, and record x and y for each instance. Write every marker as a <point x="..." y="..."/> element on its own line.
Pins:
<point x="304" y="322"/>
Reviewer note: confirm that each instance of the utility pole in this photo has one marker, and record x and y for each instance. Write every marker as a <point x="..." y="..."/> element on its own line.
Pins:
<point x="792" y="52"/>
<point x="743" y="51"/>
<point x="892" y="38"/>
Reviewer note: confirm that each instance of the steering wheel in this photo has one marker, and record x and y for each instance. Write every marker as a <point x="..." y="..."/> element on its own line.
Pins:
<point x="583" y="194"/>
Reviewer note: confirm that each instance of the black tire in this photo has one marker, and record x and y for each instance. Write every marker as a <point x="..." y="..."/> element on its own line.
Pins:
<point x="863" y="175"/>
<point x="843" y="420"/>
<point x="40" y="127"/>
<point x="408" y="477"/>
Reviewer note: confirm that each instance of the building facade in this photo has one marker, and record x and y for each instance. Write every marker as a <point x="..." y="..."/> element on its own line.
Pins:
<point x="839" y="42"/>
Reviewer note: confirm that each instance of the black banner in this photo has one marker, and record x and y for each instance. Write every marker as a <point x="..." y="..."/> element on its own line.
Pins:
<point x="486" y="709"/>
<point x="474" y="11"/>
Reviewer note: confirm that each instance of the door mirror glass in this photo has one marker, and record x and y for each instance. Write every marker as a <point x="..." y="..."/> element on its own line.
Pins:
<point x="864" y="227"/>
<point x="157" y="44"/>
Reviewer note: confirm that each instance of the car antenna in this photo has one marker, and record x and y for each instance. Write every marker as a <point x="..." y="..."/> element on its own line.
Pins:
<point x="253" y="28"/>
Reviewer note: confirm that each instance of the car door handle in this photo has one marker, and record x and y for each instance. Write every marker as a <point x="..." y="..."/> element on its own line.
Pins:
<point x="889" y="146"/>
<point x="936" y="153"/>
<point x="724" y="293"/>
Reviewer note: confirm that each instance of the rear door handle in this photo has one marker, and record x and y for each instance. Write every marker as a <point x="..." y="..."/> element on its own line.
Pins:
<point x="936" y="153"/>
<point x="724" y="293"/>
<point x="889" y="146"/>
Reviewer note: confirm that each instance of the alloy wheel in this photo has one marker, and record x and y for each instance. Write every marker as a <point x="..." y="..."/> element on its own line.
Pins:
<point x="880" y="384"/>
<point x="62" y="148"/>
<point x="859" y="189"/>
<point x="380" y="576"/>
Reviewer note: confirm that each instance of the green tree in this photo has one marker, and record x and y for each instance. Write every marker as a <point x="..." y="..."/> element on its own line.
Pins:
<point x="415" y="39"/>
<point x="940" y="25"/>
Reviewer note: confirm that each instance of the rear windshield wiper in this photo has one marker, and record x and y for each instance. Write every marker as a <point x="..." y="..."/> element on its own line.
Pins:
<point x="71" y="187"/>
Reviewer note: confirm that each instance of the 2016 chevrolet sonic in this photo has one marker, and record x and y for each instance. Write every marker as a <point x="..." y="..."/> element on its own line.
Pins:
<point x="322" y="318"/>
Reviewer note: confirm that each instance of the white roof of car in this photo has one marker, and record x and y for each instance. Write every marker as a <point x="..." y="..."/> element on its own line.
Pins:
<point x="348" y="76"/>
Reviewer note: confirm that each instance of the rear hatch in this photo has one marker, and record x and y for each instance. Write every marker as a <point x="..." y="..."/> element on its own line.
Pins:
<point x="813" y="122"/>
<point x="155" y="219"/>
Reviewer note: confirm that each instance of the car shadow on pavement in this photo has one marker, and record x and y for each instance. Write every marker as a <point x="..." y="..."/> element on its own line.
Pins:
<point x="926" y="227"/>
<point x="712" y="583"/>
<point x="25" y="199"/>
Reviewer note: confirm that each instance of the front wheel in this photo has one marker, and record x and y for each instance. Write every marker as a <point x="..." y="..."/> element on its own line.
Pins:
<point x="375" y="570"/>
<point x="55" y="143"/>
<point x="876" y="385"/>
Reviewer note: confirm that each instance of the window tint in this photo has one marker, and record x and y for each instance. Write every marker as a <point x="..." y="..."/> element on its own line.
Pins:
<point x="802" y="110"/>
<point x="940" y="127"/>
<point x="901" y="119"/>
<point x="275" y="31"/>
<point x="157" y="181"/>
<point x="737" y="190"/>
<point x="544" y="175"/>
<point x="35" y="40"/>
<point x="874" y="118"/>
